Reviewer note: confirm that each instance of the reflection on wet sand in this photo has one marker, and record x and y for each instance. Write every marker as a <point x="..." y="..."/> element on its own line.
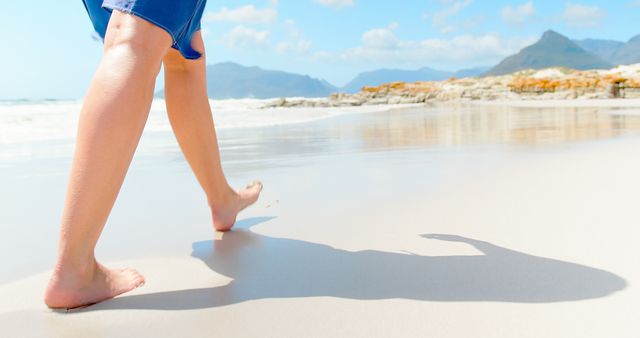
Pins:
<point x="421" y="127"/>
<point x="494" y="125"/>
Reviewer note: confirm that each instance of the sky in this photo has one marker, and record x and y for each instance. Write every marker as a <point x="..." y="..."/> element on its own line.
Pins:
<point x="49" y="50"/>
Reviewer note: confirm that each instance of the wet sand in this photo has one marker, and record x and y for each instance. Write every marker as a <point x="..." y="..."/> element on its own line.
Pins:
<point x="443" y="221"/>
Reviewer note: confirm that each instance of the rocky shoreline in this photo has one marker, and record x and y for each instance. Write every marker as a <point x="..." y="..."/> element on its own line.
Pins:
<point x="547" y="84"/>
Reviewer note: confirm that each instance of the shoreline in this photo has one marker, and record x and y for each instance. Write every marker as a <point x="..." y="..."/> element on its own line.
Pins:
<point x="561" y="103"/>
<point x="602" y="103"/>
<point x="393" y="103"/>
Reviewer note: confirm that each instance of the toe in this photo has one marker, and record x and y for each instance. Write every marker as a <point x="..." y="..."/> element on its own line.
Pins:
<point x="255" y="185"/>
<point x="138" y="282"/>
<point x="135" y="278"/>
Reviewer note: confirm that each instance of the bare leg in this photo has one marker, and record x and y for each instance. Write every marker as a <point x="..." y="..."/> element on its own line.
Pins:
<point x="192" y="123"/>
<point x="113" y="116"/>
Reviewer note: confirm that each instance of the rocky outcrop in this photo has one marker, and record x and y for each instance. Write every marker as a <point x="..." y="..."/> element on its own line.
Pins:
<point x="552" y="83"/>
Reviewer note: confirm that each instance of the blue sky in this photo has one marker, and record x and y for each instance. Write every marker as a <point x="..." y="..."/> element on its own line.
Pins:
<point x="49" y="51"/>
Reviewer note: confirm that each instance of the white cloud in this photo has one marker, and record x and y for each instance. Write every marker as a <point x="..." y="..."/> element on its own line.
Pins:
<point x="244" y="37"/>
<point x="583" y="16"/>
<point x="335" y="3"/>
<point x="248" y="14"/>
<point x="440" y="19"/>
<point x="383" y="46"/>
<point x="298" y="47"/>
<point x="295" y="42"/>
<point x="518" y="15"/>
<point x="381" y="38"/>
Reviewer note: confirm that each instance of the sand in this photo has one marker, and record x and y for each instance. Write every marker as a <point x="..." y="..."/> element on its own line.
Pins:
<point x="371" y="234"/>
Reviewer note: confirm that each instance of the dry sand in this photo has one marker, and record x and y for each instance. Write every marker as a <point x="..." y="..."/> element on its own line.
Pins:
<point x="526" y="242"/>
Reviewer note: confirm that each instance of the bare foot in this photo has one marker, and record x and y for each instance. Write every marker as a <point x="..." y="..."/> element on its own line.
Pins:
<point x="224" y="215"/>
<point x="69" y="290"/>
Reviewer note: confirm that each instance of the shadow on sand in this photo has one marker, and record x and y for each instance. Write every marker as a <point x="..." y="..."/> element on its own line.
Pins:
<point x="267" y="267"/>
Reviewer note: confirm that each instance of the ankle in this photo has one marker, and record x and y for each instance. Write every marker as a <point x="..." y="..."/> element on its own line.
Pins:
<point x="76" y="268"/>
<point x="222" y="198"/>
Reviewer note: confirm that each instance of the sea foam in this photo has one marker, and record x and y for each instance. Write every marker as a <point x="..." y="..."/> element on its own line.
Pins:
<point x="24" y="121"/>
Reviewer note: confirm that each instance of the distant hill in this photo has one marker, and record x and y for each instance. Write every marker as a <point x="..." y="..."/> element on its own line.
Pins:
<point x="378" y="77"/>
<point x="629" y="53"/>
<point x="552" y="50"/>
<point x="470" y="72"/>
<point x="615" y="52"/>
<point x="605" y="49"/>
<point x="381" y="76"/>
<point x="231" y="80"/>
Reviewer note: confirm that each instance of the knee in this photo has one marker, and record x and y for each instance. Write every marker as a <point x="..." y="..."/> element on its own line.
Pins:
<point x="137" y="39"/>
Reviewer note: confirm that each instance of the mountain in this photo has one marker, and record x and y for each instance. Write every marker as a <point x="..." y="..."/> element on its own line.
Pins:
<point x="629" y="53"/>
<point x="381" y="76"/>
<point x="605" y="49"/>
<point x="615" y="52"/>
<point x="230" y="80"/>
<point x="552" y="50"/>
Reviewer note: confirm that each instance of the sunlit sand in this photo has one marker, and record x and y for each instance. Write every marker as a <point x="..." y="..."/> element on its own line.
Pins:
<point x="460" y="221"/>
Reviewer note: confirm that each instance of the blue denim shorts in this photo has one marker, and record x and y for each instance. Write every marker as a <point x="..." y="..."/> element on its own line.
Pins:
<point x="180" y="18"/>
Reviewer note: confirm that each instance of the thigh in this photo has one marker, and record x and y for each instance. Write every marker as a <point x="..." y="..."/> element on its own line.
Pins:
<point x="179" y="18"/>
<point x="129" y="29"/>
